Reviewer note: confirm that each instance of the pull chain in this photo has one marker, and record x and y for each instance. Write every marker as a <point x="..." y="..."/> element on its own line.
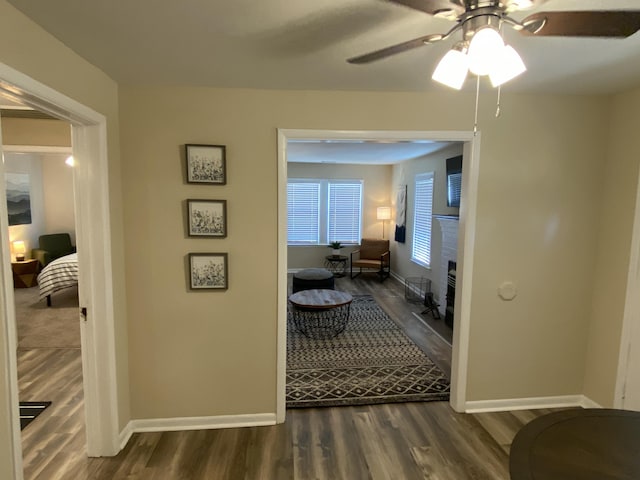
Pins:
<point x="475" y="121"/>
<point x="498" y="104"/>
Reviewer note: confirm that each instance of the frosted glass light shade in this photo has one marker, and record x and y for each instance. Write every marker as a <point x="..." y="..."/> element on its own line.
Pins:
<point x="485" y="50"/>
<point x="509" y="66"/>
<point x="452" y="69"/>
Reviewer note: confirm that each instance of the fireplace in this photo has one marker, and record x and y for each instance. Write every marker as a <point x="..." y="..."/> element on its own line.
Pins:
<point x="451" y="293"/>
<point x="448" y="253"/>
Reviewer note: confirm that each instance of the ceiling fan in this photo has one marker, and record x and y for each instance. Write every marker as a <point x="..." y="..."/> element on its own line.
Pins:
<point x="482" y="50"/>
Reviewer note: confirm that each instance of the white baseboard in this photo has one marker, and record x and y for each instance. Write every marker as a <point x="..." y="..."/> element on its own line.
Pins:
<point x="202" y="423"/>
<point x="125" y="435"/>
<point x="531" y="403"/>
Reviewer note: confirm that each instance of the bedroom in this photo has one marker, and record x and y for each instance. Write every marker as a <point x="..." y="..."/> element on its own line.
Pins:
<point x="36" y="152"/>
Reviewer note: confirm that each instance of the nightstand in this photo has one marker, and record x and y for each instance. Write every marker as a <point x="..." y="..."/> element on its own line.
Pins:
<point x="25" y="274"/>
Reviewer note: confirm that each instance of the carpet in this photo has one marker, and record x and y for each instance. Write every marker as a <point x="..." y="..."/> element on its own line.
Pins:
<point x="30" y="410"/>
<point x="40" y="326"/>
<point x="371" y="362"/>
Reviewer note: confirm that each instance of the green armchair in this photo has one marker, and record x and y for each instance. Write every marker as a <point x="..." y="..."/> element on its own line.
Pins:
<point x="52" y="246"/>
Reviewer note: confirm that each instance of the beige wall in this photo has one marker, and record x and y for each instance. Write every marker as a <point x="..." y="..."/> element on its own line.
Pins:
<point x="36" y="132"/>
<point x="375" y="193"/>
<point x="404" y="174"/>
<point x="27" y="48"/>
<point x="616" y="212"/>
<point x="539" y="185"/>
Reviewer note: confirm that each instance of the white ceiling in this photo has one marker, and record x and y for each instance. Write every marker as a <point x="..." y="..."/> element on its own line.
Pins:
<point x="359" y="152"/>
<point x="286" y="44"/>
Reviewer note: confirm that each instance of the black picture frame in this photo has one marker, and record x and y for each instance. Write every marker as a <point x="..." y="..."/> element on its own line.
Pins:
<point x="206" y="218"/>
<point x="208" y="271"/>
<point x="206" y="164"/>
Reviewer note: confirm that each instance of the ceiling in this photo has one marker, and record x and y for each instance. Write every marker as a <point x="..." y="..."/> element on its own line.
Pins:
<point x="359" y="152"/>
<point x="285" y="44"/>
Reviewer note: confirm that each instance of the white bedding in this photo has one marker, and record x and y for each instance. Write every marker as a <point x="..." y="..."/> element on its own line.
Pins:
<point x="60" y="274"/>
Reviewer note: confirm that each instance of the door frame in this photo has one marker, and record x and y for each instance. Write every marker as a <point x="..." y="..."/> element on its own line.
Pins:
<point x="466" y="244"/>
<point x="93" y="239"/>
<point x="630" y="335"/>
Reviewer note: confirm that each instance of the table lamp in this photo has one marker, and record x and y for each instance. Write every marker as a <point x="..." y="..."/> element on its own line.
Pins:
<point x="19" y="249"/>
<point x="384" y="213"/>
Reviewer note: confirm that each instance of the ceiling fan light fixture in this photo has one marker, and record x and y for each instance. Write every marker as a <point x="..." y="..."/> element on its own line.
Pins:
<point x="452" y="69"/>
<point x="485" y="48"/>
<point x="509" y="66"/>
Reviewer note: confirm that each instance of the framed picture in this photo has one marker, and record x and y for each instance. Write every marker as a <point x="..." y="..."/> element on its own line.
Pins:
<point x="207" y="218"/>
<point x="208" y="271"/>
<point x="206" y="164"/>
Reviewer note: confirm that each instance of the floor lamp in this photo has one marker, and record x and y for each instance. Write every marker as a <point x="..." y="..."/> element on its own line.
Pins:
<point x="384" y="213"/>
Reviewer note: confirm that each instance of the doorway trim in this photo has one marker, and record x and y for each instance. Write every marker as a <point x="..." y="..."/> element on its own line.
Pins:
<point x="93" y="237"/>
<point x="466" y="243"/>
<point x="631" y="316"/>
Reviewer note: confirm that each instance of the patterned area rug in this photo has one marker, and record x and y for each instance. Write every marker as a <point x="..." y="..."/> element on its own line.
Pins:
<point x="371" y="362"/>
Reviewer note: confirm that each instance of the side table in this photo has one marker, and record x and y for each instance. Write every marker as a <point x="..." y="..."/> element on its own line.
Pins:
<point x="336" y="264"/>
<point x="25" y="273"/>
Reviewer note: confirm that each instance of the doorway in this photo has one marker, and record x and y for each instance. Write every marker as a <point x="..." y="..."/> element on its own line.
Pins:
<point x="471" y="148"/>
<point x="91" y="199"/>
<point x="49" y="357"/>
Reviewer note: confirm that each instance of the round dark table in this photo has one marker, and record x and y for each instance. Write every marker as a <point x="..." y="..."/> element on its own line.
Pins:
<point x="578" y="444"/>
<point x="320" y="313"/>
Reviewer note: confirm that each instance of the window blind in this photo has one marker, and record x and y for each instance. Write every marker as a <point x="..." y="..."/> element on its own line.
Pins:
<point x="345" y="200"/>
<point x="422" y="219"/>
<point x="303" y="213"/>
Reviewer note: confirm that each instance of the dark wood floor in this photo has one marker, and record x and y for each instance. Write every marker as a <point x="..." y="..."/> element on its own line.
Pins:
<point x="395" y="441"/>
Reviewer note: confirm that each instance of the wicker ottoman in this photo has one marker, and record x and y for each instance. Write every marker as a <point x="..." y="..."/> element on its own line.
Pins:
<point x="312" y="278"/>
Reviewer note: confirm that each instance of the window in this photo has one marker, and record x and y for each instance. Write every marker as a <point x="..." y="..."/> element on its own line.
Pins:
<point x="323" y="211"/>
<point x="422" y="218"/>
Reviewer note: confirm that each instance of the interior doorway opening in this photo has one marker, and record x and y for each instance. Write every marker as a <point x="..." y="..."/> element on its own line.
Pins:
<point x="471" y="145"/>
<point x="93" y="233"/>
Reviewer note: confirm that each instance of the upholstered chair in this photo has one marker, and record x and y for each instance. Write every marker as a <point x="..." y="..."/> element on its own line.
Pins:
<point x="372" y="254"/>
<point x="52" y="246"/>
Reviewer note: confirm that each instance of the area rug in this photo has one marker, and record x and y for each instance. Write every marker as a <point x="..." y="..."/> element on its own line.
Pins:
<point x="30" y="410"/>
<point x="371" y="362"/>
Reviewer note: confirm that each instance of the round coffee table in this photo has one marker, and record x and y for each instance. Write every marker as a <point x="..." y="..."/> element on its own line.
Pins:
<point x="320" y="313"/>
<point x="578" y="444"/>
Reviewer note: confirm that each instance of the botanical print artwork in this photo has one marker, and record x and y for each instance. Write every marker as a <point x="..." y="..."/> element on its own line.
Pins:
<point x="18" y="198"/>
<point x="208" y="271"/>
<point x="206" y="164"/>
<point x="207" y="218"/>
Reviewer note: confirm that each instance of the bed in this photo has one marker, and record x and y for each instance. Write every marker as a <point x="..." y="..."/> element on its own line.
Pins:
<point x="59" y="274"/>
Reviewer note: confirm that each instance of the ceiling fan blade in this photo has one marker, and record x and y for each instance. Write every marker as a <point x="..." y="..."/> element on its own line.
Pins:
<point x="618" y="23"/>
<point x="392" y="50"/>
<point x="433" y="6"/>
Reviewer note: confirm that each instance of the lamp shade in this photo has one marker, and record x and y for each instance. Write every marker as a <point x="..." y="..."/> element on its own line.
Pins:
<point x="19" y="249"/>
<point x="384" y="213"/>
<point x="452" y="69"/>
